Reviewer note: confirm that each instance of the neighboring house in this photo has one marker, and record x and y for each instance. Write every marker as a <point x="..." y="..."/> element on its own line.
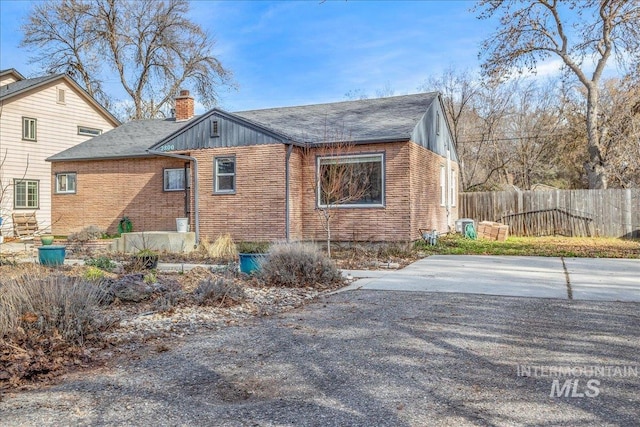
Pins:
<point x="38" y="118"/>
<point x="251" y="178"/>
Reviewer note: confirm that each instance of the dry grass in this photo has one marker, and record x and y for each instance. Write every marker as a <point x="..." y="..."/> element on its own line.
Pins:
<point x="223" y="248"/>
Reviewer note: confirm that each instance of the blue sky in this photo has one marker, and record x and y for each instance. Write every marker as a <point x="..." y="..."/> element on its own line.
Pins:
<point x="306" y="52"/>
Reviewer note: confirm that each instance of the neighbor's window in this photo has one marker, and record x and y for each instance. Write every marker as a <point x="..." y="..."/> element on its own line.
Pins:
<point x="351" y="181"/>
<point x="437" y="122"/>
<point x="29" y="127"/>
<point x="26" y="194"/>
<point x="225" y="174"/>
<point x="454" y="187"/>
<point x="174" y="179"/>
<point x="66" y="183"/>
<point x="443" y="186"/>
<point x="83" y="130"/>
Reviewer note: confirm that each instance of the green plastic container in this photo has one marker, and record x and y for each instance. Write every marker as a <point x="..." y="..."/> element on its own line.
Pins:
<point x="51" y="255"/>
<point x="250" y="263"/>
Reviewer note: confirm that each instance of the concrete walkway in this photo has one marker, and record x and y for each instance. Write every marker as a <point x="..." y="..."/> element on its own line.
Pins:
<point x="595" y="279"/>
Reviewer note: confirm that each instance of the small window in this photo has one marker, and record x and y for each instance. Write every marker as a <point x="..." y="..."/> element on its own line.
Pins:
<point x="26" y="194"/>
<point x="60" y="96"/>
<point x="87" y="131"/>
<point x="443" y="186"/>
<point x="437" y="122"/>
<point x="29" y="128"/>
<point x="351" y="181"/>
<point x="225" y="175"/>
<point x="66" y="183"/>
<point x="174" y="179"/>
<point x="454" y="187"/>
<point x="214" y="128"/>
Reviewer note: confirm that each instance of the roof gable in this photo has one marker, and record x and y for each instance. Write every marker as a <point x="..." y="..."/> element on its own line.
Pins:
<point x="22" y="86"/>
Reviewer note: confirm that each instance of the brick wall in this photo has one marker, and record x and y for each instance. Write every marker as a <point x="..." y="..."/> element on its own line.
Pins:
<point x="256" y="212"/>
<point x="426" y="209"/>
<point x="107" y="190"/>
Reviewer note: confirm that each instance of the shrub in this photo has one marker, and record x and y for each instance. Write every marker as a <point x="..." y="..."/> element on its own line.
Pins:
<point x="253" y="247"/>
<point x="299" y="265"/>
<point x="93" y="273"/>
<point x="224" y="248"/>
<point x="49" y="306"/>
<point x="101" y="262"/>
<point x="220" y="290"/>
<point x="91" y="232"/>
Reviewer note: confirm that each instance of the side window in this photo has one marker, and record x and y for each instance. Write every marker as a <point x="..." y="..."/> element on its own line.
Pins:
<point x="443" y="186"/>
<point x="66" y="183"/>
<point x="224" y="175"/>
<point x="174" y="179"/>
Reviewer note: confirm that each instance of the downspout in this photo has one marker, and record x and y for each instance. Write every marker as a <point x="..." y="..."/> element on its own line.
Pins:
<point x="287" y="225"/>
<point x="195" y="184"/>
<point x="448" y="189"/>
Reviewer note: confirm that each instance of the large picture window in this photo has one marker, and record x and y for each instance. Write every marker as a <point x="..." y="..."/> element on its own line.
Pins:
<point x="174" y="179"/>
<point x="224" y="169"/>
<point x="26" y="194"/>
<point x="66" y="183"/>
<point x="351" y="181"/>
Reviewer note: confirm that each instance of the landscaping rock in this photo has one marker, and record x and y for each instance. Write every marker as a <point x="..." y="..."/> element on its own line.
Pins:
<point x="131" y="287"/>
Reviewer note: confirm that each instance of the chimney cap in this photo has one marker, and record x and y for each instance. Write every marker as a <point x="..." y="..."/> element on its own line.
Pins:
<point x="184" y="93"/>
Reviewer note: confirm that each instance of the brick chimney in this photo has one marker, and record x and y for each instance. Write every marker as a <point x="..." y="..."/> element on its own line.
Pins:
<point x="184" y="106"/>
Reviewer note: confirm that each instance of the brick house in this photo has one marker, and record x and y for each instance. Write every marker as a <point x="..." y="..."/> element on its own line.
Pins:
<point x="40" y="117"/>
<point x="253" y="173"/>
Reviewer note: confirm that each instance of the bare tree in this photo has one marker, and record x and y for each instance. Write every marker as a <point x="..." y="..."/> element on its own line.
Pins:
<point x="5" y="185"/>
<point x="573" y="31"/>
<point x="337" y="182"/>
<point x="152" y="47"/>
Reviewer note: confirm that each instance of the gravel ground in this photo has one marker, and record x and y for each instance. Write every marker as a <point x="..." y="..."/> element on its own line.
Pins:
<point x="366" y="358"/>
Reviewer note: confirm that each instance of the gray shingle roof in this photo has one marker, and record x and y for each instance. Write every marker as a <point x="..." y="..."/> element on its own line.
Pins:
<point x="392" y="118"/>
<point x="12" y="88"/>
<point x="131" y="139"/>
<point x="382" y="119"/>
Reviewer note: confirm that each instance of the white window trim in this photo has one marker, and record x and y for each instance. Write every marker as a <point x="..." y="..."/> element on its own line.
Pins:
<point x="15" y="193"/>
<point x="443" y="185"/>
<point x="217" y="175"/>
<point x="345" y="159"/>
<point x="89" y="131"/>
<point x="164" y="179"/>
<point x="75" y="189"/>
<point x="26" y="120"/>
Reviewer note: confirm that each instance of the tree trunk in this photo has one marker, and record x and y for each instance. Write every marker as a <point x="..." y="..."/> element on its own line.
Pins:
<point x="595" y="167"/>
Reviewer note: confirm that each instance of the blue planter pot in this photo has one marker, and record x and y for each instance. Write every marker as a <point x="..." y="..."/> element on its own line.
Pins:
<point x="51" y="255"/>
<point x="250" y="263"/>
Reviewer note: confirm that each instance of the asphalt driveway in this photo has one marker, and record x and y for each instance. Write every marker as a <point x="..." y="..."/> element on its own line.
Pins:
<point x="364" y="358"/>
<point x="595" y="279"/>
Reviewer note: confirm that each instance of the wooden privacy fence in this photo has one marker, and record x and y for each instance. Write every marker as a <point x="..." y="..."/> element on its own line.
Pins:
<point x="610" y="213"/>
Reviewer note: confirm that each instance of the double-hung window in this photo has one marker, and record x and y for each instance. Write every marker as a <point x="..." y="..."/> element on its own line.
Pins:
<point x="224" y="171"/>
<point x="29" y="128"/>
<point x="443" y="185"/>
<point x="26" y="194"/>
<point x="66" y="183"/>
<point x="350" y="180"/>
<point x="174" y="179"/>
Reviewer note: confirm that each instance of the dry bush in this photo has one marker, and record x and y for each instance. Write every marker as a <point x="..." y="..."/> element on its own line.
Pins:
<point x="299" y="265"/>
<point x="92" y="232"/>
<point x="223" y="248"/>
<point x="219" y="291"/>
<point x="49" y="305"/>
